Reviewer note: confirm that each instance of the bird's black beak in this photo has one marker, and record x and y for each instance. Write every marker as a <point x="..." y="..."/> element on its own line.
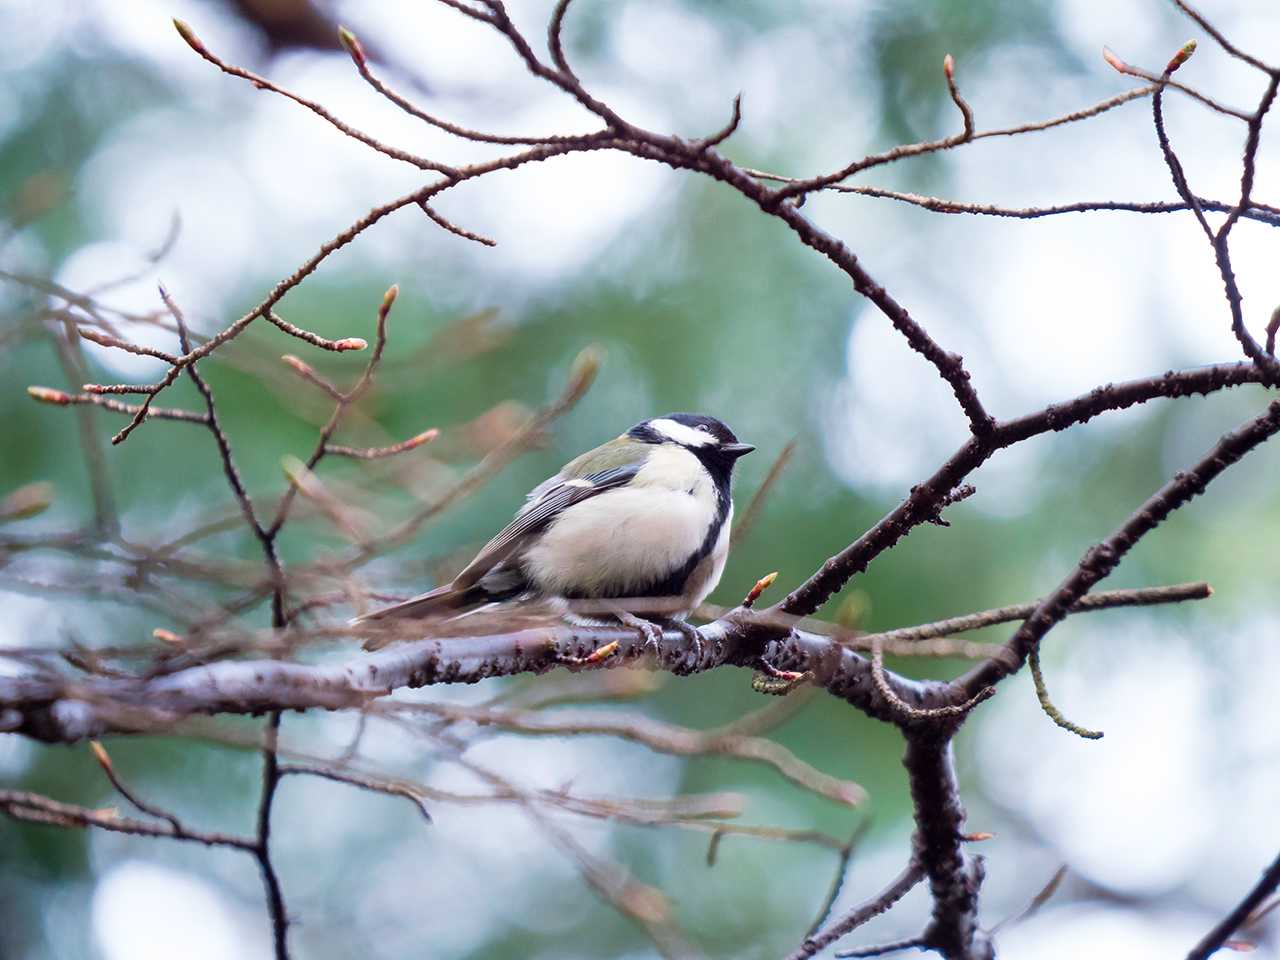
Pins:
<point x="736" y="450"/>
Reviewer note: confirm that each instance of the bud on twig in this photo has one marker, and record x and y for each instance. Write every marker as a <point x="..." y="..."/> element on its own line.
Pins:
<point x="350" y="343"/>
<point x="602" y="653"/>
<point x="97" y="336"/>
<point x="189" y="35"/>
<point x="1181" y="57"/>
<point x="761" y="585"/>
<point x="583" y="373"/>
<point x="352" y="45"/>
<point x="100" y="754"/>
<point x="49" y="395"/>
<point x="169" y="637"/>
<point x="1116" y="63"/>
<point x="299" y="365"/>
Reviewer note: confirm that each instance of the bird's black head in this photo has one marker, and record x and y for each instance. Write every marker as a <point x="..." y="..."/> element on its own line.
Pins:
<point x="707" y="438"/>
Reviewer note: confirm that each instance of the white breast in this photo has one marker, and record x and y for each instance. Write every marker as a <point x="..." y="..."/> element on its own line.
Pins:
<point x="620" y="541"/>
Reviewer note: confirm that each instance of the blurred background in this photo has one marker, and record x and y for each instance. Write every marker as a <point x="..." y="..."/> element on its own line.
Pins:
<point x="126" y="159"/>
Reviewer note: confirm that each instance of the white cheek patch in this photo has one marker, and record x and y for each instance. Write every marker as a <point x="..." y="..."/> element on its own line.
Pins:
<point x="681" y="433"/>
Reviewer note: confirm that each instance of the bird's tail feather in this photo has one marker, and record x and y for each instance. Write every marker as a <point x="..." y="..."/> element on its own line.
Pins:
<point x="443" y="601"/>
<point x="433" y="602"/>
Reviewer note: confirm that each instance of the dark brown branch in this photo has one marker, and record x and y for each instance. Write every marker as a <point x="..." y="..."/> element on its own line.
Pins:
<point x="262" y="838"/>
<point x="923" y="499"/>
<point x="884" y="949"/>
<point x="863" y="913"/>
<point x="1207" y="26"/>
<point x="1218" y="239"/>
<point x="954" y="879"/>
<point x="1164" y="80"/>
<point x="940" y="205"/>
<point x="796" y="187"/>
<point x="725" y="132"/>
<point x="1105" y="600"/>
<point x="1100" y="560"/>
<point x="357" y="53"/>
<point x="441" y="221"/>
<point x="274" y="568"/>
<point x="1216" y="938"/>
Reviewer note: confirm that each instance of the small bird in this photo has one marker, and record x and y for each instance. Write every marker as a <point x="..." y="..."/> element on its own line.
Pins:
<point x="639" y="524"/>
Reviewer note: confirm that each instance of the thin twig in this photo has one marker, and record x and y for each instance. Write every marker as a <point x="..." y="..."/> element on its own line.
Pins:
<point x="441" y="221"/>
<point x="262" y="83"/>
<point x="35" y="808"/>
<point x="864" y="912"/>
<point x="62" y="399"/>
<point x="842" y="871"/>
<point x="262" y="838"/>
<point x="1267" y="884"/>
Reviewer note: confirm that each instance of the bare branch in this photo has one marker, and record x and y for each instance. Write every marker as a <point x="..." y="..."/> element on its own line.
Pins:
<point x="440" y="221"/>
<point x="1100" y="560"/>
<point x="34" y="808"/>
<point x="1208" y="27"/>
<point x="262" y="83"/>
<point x="1267" y="884"/>
<point x="61" y="398"/>
<point x="863" y="913"/>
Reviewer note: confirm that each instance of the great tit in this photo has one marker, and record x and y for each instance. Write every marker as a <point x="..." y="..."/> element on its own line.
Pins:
<point x="639" y="524"/>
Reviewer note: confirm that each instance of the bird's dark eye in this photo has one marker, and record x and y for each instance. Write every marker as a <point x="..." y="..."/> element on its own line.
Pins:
<point x="704" y="428"/>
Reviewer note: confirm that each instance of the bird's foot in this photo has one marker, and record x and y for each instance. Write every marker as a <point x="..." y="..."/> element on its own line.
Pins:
<point x="650" y="632"/>
<point x="690" y="633"/>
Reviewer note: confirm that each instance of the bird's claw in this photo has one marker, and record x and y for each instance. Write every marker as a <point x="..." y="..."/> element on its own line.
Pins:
<point x="650" y="632"/>
<point x="690" y="633"/>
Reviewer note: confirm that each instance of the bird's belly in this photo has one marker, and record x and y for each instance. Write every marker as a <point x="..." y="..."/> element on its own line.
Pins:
<point x="618" y="544"/>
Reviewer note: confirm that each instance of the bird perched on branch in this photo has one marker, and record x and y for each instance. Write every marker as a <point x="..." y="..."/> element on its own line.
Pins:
<point x="639" y="525"/>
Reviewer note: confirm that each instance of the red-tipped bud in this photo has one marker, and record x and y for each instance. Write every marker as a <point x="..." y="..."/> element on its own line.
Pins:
<point x="761" y="585"/>
<point x="49" y="395"/>
<point x="602" y="653"/>
<point x="949" y="66"/>
<point x="426" y="436"/>
<point x="100" y="754"/>
<point x="168" y="637"/>
<point x="1181" y="57"/>
<point x="352" y="45"/>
